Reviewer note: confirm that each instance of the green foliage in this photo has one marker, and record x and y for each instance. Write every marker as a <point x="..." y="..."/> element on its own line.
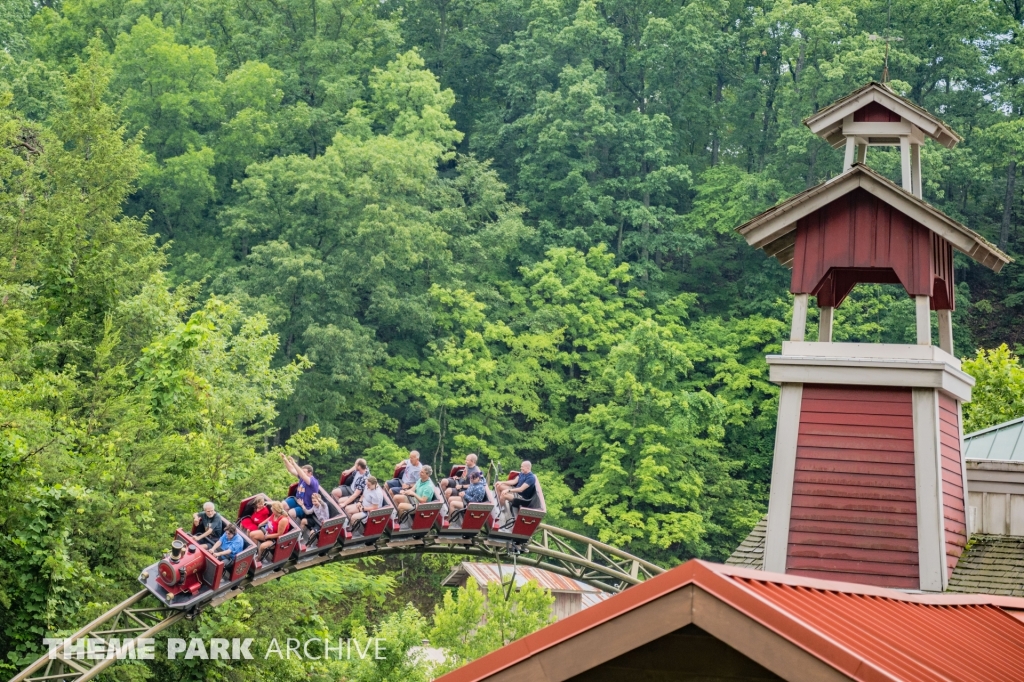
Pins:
<point x="349" y="228"/>
<point x="998" y="395"/>
<point x="476" y="621"/>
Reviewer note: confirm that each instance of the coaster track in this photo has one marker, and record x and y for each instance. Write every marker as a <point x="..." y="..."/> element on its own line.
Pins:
<point x="144" y="616"/>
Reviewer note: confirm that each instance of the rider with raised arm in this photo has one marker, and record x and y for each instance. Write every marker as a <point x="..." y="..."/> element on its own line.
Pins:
<point x="301" y="503"/>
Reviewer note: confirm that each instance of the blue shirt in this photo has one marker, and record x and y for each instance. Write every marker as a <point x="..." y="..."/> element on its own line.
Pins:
<point x="236" y="545"/>
<point x="476" y="492"/>
<point x="530" y="481"/>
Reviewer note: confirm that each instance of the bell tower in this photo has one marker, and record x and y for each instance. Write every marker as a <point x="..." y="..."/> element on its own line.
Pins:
<point x="868" y="479"/>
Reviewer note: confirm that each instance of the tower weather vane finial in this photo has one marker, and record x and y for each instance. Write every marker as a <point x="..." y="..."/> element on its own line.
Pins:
<point x="888" y="38"/>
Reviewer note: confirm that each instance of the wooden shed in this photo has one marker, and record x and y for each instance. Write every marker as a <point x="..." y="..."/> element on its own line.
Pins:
<point x="571" y="596"/>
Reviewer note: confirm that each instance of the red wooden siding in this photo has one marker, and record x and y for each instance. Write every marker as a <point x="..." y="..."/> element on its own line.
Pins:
<point x="859" y="238"/>
<point x="942" y="274"/>
<point x="873" y="112"/>
<point x="854" y="511"/>
<point x="952" y="481"/>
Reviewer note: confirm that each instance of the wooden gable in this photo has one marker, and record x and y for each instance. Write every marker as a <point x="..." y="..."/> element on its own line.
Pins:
<point x="858" y="238"/>
<point x="875" y="103"/>
<point x="861" y="219"/>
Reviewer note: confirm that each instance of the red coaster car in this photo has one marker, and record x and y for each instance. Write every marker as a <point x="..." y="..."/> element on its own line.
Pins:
<point x="520" y="524"/>
<point x="461" y="525"/>
<point x="190" y="575"/>
<point x="284" y="546"/>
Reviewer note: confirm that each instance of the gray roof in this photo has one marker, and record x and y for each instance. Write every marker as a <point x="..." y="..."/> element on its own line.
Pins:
<point x="1003" y="442"/>
<point x="991" y="564"/>
<point x="750" y="553"/>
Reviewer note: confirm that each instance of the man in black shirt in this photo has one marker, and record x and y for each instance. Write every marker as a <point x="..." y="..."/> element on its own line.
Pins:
<point x="209" y="526"/>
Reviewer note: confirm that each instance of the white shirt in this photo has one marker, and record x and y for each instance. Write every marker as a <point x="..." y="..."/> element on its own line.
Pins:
<point x="374" y="497"/>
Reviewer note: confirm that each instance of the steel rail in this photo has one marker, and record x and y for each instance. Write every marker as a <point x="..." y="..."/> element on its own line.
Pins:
<point x="553" y="549"/>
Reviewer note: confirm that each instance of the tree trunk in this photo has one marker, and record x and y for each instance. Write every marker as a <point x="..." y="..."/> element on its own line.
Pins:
<point x="1011" y="180"/>
<point x="715" y="143"/>
<point x="645" y="251"/>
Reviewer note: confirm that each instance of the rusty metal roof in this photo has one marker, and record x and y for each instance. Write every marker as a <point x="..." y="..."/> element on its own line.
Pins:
<point x="493" y="573"/>
<point x="865" y="633"/>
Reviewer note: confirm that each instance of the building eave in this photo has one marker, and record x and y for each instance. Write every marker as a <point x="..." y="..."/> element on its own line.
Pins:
<point x="771" y="230"/>
<point x="828" y="120"/>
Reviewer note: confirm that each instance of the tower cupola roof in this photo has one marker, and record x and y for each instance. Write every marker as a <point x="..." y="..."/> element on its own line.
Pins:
<point x="860" y="113"/>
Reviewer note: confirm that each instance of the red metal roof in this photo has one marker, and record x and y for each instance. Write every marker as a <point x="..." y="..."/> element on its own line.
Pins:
<point x="867" y="633"/>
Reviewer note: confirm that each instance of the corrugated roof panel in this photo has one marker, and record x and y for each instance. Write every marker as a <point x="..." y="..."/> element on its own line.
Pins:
<point x="1004" y="442"/>
<point x="592" y="598"/>
<point x="489" y="573"/>
<point x="867" y="633"/>
<point x="1018" y="450"/>
<point x="900" y="637"/>
<point x="979" y="446"/>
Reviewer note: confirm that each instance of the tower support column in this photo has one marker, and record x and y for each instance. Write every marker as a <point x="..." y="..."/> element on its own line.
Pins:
<point x="931" y="542"/>
<point x="783" y="470"/>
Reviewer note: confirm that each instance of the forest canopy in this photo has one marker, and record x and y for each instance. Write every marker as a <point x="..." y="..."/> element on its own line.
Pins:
<point x="344" y="228"/>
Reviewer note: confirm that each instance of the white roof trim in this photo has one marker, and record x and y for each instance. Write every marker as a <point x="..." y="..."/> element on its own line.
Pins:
<point x="832" y="116"/>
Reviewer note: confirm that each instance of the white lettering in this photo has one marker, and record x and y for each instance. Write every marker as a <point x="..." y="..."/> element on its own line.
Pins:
<point x="327" y="648"/>
<point x="377" y="648"/>
<point x="175" y="645"/>
<point x="127" y="650"/>
<point x="95" y="650"/>
<point x="292" y="648"/>
<point x="113" y="648"/>
<point x="196" y="649"/>
<point x="239" y="652"/>
<point x="274" y="648"/>
<point x="360" y="651"/>
<point x="146" y="646"/>
<point x="74" y="649"/>
<point x="53" y="643"/>
<point x="219" y="649"/>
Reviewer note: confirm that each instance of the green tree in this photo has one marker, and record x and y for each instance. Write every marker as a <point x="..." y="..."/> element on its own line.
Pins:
<point x="475" y="621"/>
<point x="998" y="395"/>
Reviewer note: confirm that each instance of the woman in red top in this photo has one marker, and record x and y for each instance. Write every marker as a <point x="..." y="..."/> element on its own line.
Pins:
<point x="252" y="523"/>
<point x="275" y="527"/>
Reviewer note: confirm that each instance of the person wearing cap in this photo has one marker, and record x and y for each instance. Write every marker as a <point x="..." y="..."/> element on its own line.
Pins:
<point x="476" y="491"/>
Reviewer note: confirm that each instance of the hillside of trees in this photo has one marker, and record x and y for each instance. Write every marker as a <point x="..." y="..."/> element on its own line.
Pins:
<point x="344" y="228"/>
